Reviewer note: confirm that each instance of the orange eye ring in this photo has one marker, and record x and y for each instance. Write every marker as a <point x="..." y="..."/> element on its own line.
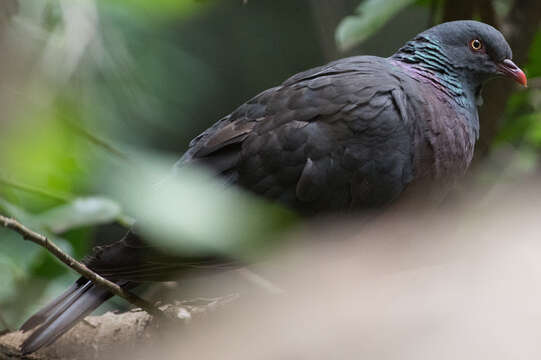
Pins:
<point x="476" y="45"/>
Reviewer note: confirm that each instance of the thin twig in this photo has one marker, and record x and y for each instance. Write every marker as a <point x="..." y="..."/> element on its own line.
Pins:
<point x="35" y="190"/>
<point x="82" y="269"/>
<point x="96" y="140"/>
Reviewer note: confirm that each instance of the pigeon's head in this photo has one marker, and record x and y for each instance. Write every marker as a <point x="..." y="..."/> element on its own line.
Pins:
<point x="476" y="49"/>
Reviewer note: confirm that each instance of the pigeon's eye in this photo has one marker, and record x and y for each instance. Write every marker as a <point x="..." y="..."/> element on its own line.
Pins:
<point x="476" y="45"/>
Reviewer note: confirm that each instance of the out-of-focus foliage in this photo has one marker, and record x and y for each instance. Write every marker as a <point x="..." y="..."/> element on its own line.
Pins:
<point x="78" y="213"/>
<point x="370" y="16"/>
<point x="190" y="211"/>
<point x="89" y="87"/>
<point x="162" y="9"/>
<point x="522" y="123"/>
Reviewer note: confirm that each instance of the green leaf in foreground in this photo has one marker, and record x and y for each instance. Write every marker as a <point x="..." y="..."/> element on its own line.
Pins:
<point x="370" y="16"/>
<point x="192" y="212"/>
<point x="80" y="212"/>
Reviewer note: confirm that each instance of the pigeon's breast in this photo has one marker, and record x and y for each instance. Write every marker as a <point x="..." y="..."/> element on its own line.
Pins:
<point x="447" y="135"/>
<point x="446" y="124"/>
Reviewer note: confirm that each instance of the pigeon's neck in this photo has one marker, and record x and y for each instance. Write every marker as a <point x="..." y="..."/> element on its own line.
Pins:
<point x="425" y="58"/>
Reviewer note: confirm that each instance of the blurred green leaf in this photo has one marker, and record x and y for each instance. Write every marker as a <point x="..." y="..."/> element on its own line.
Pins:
<point x="533" y="68"/>
<point x="164" y="8"/>
<point x="10" y="271"/>
<point x="370" y="16"/>
<point x="522" y="123"/>
<point x="42" y="152"/>
<point x="515" y="129"/>
<point x="190" y="211"/>
<point x="9" y="209"/>
<point x="80" y="212"/>
<point x="533" y="136"/>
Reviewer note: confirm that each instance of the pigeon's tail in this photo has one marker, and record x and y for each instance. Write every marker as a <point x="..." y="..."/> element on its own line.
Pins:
<point x="62" y="314"/>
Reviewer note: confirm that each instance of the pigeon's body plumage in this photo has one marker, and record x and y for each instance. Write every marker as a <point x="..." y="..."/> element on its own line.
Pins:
<point x="313" y="143"/>
<point x="351" y="135"/>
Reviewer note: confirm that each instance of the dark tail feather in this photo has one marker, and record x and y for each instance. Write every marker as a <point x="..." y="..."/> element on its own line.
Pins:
<point x="62" y="314"/>
<point x="42" y="315"/>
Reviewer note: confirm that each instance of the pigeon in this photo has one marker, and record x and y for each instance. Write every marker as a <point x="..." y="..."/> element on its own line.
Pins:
<point x="352" y="135"/>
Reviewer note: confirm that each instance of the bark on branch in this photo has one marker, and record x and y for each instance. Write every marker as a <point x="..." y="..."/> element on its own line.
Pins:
<point x="82" y="269"/>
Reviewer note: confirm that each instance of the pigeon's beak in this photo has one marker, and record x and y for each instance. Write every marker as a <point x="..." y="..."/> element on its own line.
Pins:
<point x="509" y="69"/>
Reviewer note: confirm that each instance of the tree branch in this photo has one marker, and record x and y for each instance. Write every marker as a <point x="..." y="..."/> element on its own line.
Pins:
<point x="82" y="269"/>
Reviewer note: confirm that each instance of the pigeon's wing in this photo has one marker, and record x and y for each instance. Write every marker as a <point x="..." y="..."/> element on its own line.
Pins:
<point x="332" y="138"/>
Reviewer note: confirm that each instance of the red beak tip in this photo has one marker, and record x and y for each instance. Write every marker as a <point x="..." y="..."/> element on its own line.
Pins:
<point x="520" y="77"/>
<point x="509" y="69"/>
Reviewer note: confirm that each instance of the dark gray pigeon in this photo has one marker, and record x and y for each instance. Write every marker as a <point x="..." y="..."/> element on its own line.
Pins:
<point x="350" y="135"/>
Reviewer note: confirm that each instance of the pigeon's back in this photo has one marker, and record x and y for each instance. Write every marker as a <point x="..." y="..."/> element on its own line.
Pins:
<point x="346" y="136"/>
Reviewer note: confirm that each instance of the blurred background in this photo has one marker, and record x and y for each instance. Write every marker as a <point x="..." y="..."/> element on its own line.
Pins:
<point x="99" y="98"/>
